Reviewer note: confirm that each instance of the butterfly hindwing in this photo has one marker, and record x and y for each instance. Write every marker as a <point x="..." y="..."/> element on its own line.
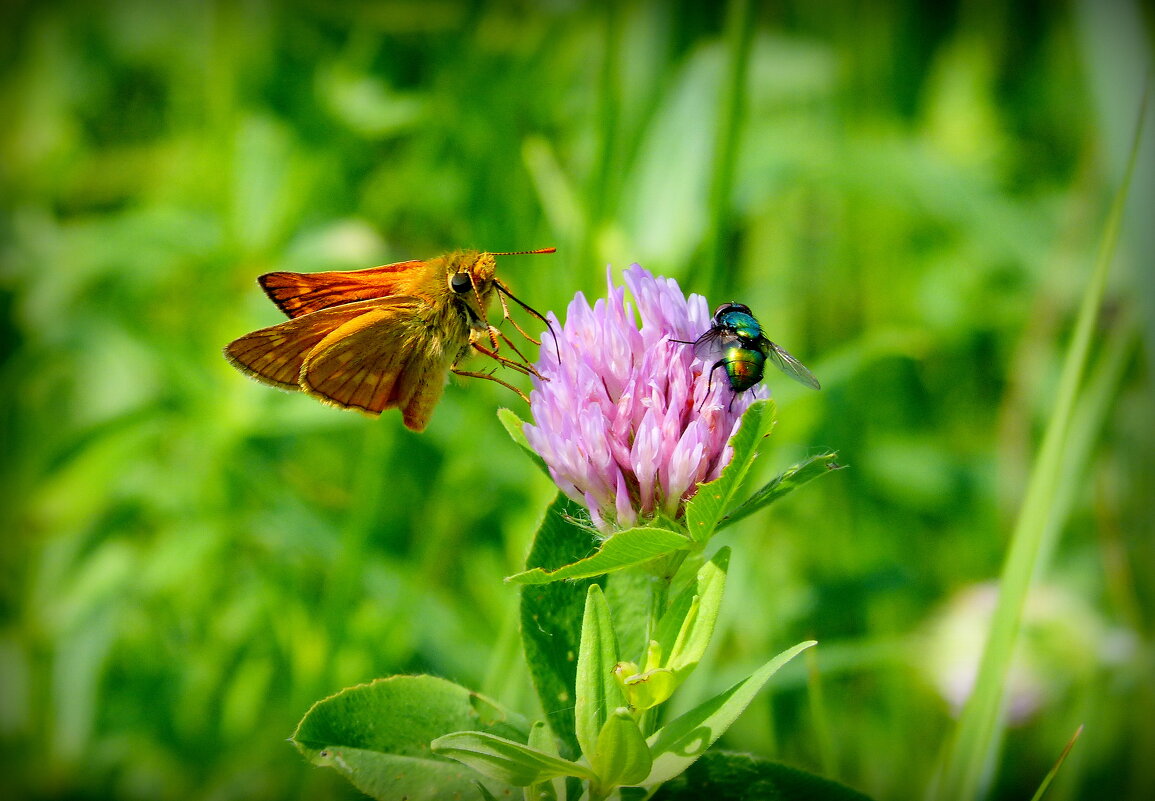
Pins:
<point x="385" y="358"/>
<point x="275" y="355"/>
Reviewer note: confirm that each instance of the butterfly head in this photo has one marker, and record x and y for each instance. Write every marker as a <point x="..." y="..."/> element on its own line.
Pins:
<point x="469" y="278"/>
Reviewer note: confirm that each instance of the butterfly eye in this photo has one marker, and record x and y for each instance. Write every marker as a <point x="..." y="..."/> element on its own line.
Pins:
<point x="460" y="282"/>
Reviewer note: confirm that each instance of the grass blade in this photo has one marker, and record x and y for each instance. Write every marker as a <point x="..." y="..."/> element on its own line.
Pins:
<point x="972" y="753"/>
<point x="1054" y="771"/>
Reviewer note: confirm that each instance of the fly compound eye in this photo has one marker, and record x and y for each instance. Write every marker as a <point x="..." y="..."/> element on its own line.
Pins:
<point x="731" y="307"/>
<point x="460" y="283"/>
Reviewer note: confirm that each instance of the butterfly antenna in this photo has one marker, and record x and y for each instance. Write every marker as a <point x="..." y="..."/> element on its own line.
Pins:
<point x="525" y="252"/>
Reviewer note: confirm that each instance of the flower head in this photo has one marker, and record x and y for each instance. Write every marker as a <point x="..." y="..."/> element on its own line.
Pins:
<point x="627" y="419"/>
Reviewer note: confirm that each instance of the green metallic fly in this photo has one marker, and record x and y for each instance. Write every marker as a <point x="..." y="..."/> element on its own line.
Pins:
<point x="745" y="350"/>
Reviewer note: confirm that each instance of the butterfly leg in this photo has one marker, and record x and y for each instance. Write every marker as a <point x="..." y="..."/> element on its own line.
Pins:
<point x="488" y="377"/>
<point x="502" y="293"/>
<point x="494" y="334"/>
<point x="526" y="368"/>
<point x="506" y="315"/>
<point x="515" y="349"/>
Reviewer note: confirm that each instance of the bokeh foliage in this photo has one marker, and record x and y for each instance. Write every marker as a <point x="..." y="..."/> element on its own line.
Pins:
<point x="911" y="206"/>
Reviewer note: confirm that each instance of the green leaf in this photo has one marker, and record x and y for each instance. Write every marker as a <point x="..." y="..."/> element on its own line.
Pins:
<point x="597" y="688"/>
<point x="634" y="546"/>
<point x="677" y="744"/>
<point x="505" y="760"/>
<point x="622" y="756"/>
<point x="516" y="428"/>
<point x="714" y="499"/>
<point x="1054" y="771"/>
<point x="551" y="617"/>
<point x="377" y="735"/>
<point x="725" y="776"/>
<point x="783" y="484"/>
<point x="671" y="622"/>
<point x="630" y="594"/>
<point x="698" y="626"/>
<point x="541" y="739"/>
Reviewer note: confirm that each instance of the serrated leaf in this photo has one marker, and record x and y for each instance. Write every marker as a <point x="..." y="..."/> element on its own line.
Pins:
<point x="597" y="689"/>
<point x="622" y="756"/>
<point x="677" y="744"/>
<point x="505" y="760"/>
<point x="698" y="627"/>
<point x="551" y="617"/>
<point x="716" y="498"/>
<point x="377" y="735"/>
<point x="783" y="484"/>
<point x="515" y="426"/>
<point x="725" y="776"/>
<point x="634" y="546"/>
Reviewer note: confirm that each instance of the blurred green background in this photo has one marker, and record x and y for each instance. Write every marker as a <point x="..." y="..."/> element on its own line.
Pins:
<point x="909" y="195"/>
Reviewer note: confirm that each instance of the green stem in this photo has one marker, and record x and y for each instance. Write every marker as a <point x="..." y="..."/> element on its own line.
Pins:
<point x="662" y="577"/>
<point x="660" y="592"/>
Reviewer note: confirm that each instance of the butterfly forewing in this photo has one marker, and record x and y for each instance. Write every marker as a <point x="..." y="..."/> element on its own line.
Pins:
<point x="298" y="294"/>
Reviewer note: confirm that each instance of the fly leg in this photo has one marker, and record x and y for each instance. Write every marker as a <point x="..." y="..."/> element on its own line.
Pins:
<point x="710" y="382"/>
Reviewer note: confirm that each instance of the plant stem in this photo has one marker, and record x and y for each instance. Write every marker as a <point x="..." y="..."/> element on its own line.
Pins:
<point x="662" y="577"/>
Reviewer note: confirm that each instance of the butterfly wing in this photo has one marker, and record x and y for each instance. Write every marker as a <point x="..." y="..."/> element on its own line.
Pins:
<point x="391" y="356"/>
<point x="298" y="294"/>
<point x="275" y="355"/>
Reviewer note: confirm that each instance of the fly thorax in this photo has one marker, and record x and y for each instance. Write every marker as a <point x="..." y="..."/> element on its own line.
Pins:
<point x="741" y="325"/>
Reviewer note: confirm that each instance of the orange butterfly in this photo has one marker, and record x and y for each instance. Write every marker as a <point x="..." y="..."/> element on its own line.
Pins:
<point x="383" y="337"/>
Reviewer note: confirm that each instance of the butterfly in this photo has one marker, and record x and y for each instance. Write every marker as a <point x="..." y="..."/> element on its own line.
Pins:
<point x="384" y="337"/>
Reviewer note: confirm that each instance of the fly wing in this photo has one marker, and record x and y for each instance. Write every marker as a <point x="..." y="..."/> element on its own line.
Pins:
<point x="789" y="365"/>
<point x="706" y="345"/>
<point x="274" y="355"/>
<point x="388" y="357"/>
<point x="297" y="294"/>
